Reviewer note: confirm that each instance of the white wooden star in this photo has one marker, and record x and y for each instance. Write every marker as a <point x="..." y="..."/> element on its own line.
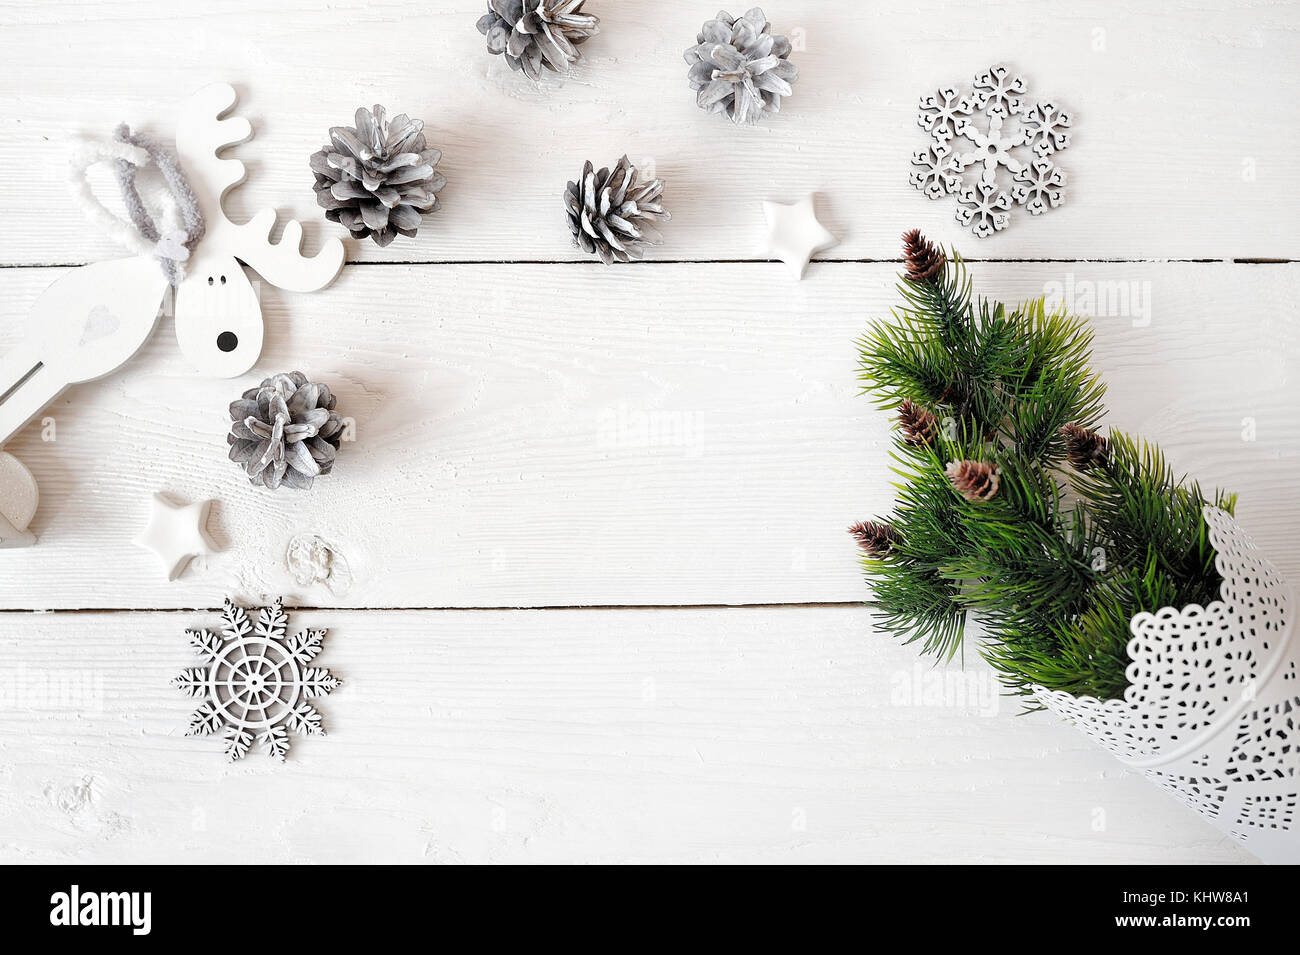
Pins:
<point x="793" y="233"/>
<point x="177" y="533"/>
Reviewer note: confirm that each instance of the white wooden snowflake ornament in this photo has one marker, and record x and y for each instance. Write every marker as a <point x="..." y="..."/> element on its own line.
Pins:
<point x="793" y="233"/>
<point x="177" y="533"/>
<point x="256" y="681"/>
<point x="992" y="147"/>
<point x="989" y="148"/>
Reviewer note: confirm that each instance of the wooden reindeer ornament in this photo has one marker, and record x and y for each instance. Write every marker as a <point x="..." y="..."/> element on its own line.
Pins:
<point x="92" y="320"/>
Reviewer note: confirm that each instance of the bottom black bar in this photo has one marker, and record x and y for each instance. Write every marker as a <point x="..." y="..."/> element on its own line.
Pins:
<point x="203" y="904"/>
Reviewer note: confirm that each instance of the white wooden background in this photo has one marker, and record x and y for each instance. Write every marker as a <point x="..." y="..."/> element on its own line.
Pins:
<point x="593" y="597"/>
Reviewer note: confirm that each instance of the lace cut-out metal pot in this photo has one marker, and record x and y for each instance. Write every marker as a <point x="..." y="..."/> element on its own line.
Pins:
<point x="1212" y="711"/>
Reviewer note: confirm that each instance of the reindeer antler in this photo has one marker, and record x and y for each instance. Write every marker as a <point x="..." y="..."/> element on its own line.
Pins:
<point x="201" y="134"/>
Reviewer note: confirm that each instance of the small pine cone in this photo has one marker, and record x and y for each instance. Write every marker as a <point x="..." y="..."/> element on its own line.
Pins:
<point x="919" y="426"/>
<point x="612" y="214"/>
<point x="377" y="179"/>
<point x="1084" y="448"/>
<point x="739" y="68"/>
<point x="285" y="431"/>
<point x="537" y="34"/>
<point x="925" y="260"/>
<point x="974" y="480"/>
<point x="875" y="539"/>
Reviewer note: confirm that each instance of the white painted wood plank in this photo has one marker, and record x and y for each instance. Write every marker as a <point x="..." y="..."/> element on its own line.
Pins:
<point x="760" y="735"/>
<point x="536" y="435"/>
<point x="1180" y="151"/>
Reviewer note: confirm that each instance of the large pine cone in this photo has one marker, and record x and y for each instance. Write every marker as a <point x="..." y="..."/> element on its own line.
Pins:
<point x="612" y="214"/>
<point x="537" y="34"/>
<point x="739" y="68"/>
<point x="285" y="431"/>
<point x="377" y="178"/>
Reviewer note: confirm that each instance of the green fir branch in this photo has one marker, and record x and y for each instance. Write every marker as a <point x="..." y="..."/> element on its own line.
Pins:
<point x="1052" y="547"/>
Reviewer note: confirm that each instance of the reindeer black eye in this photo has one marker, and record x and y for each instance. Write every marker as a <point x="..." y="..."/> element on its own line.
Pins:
<point x="227" y="341"/>
<point x="209" y="279"/>
<point x="223" y="280"/>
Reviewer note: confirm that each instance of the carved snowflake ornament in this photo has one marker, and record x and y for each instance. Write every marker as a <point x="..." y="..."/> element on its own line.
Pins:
<point x="1212" y="710"/>
<point x="993" y="149"/>
<point x="257" y="681"/>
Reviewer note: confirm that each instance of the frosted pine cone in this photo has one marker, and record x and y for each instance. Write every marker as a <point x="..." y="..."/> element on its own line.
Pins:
<point x="612" y="214"/>
<point x="285" y="431"/>
<point x="537" y="34"/>
<point x="377" y="179"/>
<point x="739" y="68"/>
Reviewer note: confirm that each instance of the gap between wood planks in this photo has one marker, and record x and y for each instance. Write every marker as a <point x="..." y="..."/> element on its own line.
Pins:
<point x="325" y="608"/>
<point x="1257" y="260"/>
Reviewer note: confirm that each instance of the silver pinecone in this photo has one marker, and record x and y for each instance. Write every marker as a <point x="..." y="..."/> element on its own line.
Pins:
<point x="377" y="179"/>
<point x="285" y="431"/>
<point x="740" y="68"/>
<point x="537" y="34"/>
<point x="611" y="214"/>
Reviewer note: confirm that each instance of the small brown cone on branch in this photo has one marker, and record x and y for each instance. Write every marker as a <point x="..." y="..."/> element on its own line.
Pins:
<point x="875" y="539"/>
<point x="925" y="260"/>
<point x="1085" y="448"/>
<point x="974" y="480"/>
<point x="919" y="426"/>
